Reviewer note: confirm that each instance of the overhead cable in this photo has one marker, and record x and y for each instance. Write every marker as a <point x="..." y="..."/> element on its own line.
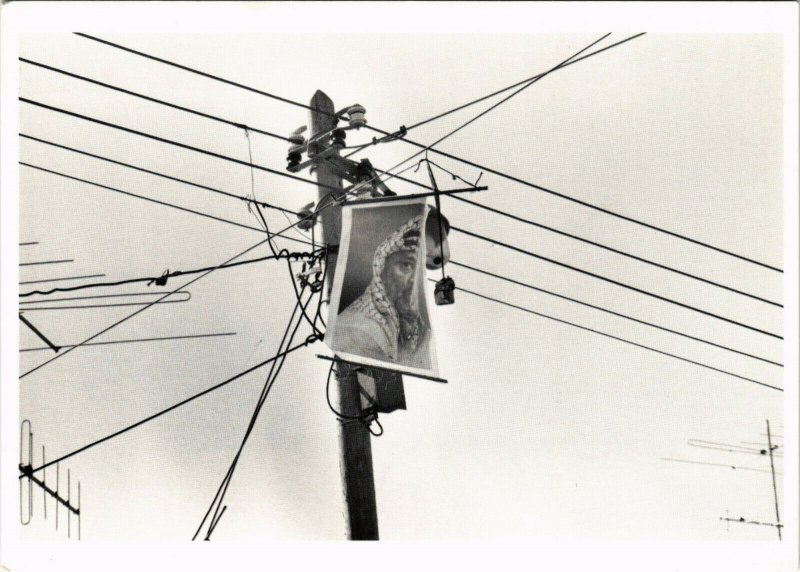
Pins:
<point x="529" y="311"/>
<point x="615" y="282"/>
<point x="64" y="279"/>
<point x="166" y="275"/>
<point x="451" y="156"/>
<point x="156" y="201"/>
<point x="156" y="173"/>
<point x="617" y="251"/>
<point x="171" y="142"/>
<point x="138" y="340"/>
<point x="493" y="107"/>
<point x="143" y="308"/>
<point x="612" y="312"/>
<point x="585" y="240"/>
<point x="171" y="407"/>
<point x="153" y="99"/>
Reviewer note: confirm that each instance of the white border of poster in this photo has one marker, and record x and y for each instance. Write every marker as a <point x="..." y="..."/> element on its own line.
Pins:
<point x="354" y="274"/>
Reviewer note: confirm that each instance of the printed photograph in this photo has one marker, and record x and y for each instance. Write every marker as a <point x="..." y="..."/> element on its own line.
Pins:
<point x="379" y="308"/>
<point x="461" y="286"/>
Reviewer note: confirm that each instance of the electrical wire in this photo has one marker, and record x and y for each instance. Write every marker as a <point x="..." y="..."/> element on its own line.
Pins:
<point x="45" y="262"/>
<point x="142" y="309"/>
<point x="449" y="155"/>
<point x="268" y="384"/>
<point x="170" y="142"/>
<point x="197" y="72"/>
<point x="575" y="237"/>
<point x="339" y="414"/>
<point x="615" y="282"/>
<point x="156" y="173"/>
<point x="171" y="407"/>
<point x="165" y="275"/>
<point x="223" y="487"/>
<point x="156" y="201"/>
<point x="492" y="107"/>
<point x="507" y="88"/>
<point x="153" y="99"/>
<point x="253" y="186"/>
<point x="62" y="279"/>
<point x="615" y="251"/>
<point x="246" y="128"/>
<point x="529" y="311"/>
<point x="138" y="340"/>
<point x="613" y="313"/>
<point x="89" y="306"/>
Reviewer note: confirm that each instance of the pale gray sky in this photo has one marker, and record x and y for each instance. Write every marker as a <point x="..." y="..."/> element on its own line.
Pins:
<point x="544" y="432"/>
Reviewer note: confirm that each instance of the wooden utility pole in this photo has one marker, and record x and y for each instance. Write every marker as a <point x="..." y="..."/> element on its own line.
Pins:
<point x="355" y="461"/>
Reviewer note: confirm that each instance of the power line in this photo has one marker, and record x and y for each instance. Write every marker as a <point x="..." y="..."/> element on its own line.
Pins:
<point x="138" y="340"/>
<point x="451" y="156"/>
<point x="588" y="241"/>
<point x="197" y="72"/>
<point x="156" y="201"/>
<point x="165" y="276"/>
<point x="186" y="297"/>
<point x="153" y="99"/>
<point x="510" y="87"/>
<point x="142" y="309"/>
<point x="170" y="408"/>
<point x="495" y="105"/>
<point x="267" y="240"/>
<point x="187" y="284"/>
<point x="597" y="208"/>
<point x="89" y="306"/>
<point x="529" y="311"/>
<point x="62" y="279"/>
<point x="45" y="262"/>
<point x="275" y="369"/>
<point x="156" y="173"/>
<point x="616" y="251"/>
<point x="615" y="282"/>
<point x="168" y="141"/>
<point x="613" y="313"/>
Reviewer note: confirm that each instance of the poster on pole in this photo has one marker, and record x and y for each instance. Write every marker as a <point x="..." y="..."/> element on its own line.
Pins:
<point x="378" y="310"/>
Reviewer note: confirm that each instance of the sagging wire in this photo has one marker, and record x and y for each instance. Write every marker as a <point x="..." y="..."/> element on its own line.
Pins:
<point x="444" y="291"/>
<point x="217" y="503"/>
<point x="455" y="177"/>
<point x="369" y="416"/>
<point x="438" y="208"/>
<point x="166" y="275"/>
<point x="254" y="200"/>
<point x="314" y="286"/>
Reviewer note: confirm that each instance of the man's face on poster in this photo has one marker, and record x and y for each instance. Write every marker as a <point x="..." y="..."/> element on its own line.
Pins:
<point x="398" y="278"/>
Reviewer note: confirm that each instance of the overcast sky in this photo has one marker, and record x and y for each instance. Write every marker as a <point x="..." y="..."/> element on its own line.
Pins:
<point x="545" y="432"/>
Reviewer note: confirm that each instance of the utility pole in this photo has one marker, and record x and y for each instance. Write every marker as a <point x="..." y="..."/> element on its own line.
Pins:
<point x="355" y="460"/>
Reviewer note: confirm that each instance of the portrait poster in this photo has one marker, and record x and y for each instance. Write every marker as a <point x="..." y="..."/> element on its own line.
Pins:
<point x="379" y="311"/>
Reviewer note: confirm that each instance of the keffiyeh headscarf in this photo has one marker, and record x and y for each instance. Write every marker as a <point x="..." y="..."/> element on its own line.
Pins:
<point x="399" y="329"/>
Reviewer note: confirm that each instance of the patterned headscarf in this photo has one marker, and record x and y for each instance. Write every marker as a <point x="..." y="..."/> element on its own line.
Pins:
<point x="376" y="302"/>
